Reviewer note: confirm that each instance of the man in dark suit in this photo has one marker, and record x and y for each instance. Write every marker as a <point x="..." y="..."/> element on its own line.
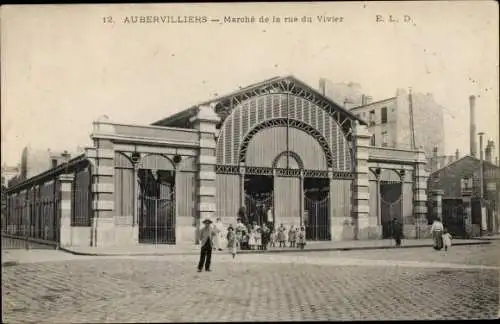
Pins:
<point x="207" y="235"/>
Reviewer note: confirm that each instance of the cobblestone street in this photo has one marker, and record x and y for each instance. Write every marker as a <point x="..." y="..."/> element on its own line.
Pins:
<point x="416" y="284"/>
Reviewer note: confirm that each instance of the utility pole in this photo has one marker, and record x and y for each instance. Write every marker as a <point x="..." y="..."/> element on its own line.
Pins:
<point x="481" y="178"/>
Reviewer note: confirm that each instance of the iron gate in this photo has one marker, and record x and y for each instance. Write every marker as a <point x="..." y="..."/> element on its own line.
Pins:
<point x="316" y="219"/>
<point x="454" y="217"/>
<point x="390" y="205"/>
<point x="257" y="207"/>
<point x="157" y="207"/>
<point x="157" y="221"/>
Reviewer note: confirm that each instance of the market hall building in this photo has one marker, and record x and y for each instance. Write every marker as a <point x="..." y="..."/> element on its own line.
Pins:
<point x="278" y="145"/>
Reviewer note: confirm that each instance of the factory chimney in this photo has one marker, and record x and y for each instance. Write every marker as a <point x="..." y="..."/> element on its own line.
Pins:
<point x="457" y="155"/>
<point x="434" y="159"/>
<point x="473" y="145"/>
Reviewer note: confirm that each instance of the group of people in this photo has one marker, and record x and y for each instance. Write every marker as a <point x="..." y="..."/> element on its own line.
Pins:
<point x="255" y="237"/>
<point x="440" y="236"/>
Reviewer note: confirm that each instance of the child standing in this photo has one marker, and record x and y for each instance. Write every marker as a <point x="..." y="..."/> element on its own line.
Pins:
<point x="232" y="242"/>
<point x="258" y="239"/>
<point x="244" y="240"/>
<point x="281" y="235"/>
<point x="272" y="239"/>
<point x="301" y="242"/>
<point x="446" y="239"/>
<point x="252" y="240"/>
<point x="292" y="236"/>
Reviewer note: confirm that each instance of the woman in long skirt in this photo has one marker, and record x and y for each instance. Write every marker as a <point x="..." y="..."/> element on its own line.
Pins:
<point x="232" y="242"/>
<point x="437" y="234"/>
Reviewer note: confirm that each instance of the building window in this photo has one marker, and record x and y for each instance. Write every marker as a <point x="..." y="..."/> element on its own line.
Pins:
<point x="54" y="163"/>
<point x="372" y="141"/>
<point x="383" y="117"/>
<point x="371" y="120"/>
<point x="357" y="115"/>
<point x="385" y="139"/>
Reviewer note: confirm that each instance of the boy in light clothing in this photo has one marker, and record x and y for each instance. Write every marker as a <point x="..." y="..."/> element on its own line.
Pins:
<point x="446" y="239"/>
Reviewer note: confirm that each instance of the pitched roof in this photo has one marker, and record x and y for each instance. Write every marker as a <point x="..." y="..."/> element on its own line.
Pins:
<point x="462" y="159"/>
<point x="189" y="112"/>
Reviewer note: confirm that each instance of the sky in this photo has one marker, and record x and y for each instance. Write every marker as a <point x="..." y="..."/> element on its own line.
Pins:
<point x="62" y="67"/>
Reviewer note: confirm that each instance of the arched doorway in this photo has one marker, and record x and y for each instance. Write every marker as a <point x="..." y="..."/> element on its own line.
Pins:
<point x="156" y="176"/>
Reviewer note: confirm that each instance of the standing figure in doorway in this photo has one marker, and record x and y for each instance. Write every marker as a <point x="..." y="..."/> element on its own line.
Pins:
<point x="270" y="218"/>
<point x="437" y="234"/>
<point x="397" y="231"/>
<point x="207" y="235"/>
<point x="242" y="215"/>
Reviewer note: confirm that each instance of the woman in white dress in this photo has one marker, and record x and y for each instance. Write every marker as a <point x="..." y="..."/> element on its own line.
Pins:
<point x="220" y="234"/>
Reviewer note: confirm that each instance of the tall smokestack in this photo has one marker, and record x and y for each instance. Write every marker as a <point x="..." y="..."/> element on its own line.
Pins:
<point x="473" y="144"/>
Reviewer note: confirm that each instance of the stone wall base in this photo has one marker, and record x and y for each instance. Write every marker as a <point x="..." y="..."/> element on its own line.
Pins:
<point x="105" y="232"/>
<point x="81" y="236"/>
<point x="342" y="229"/>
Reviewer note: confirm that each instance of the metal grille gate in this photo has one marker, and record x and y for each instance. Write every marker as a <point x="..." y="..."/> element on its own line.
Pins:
<point x="317" y="222"/>
<point x="453" y="217"/>
<point x="157" y="207"/>
<point x="257" y="208"/>
<point x="390" y="199"/>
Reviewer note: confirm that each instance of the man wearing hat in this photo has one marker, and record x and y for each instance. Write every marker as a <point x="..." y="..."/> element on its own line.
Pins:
<point x="207" y="235"/>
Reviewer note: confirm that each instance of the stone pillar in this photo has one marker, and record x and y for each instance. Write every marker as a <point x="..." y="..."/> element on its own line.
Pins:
<point x="467" y="201"/>
<point x="102" y="159"/>
<point x="205" y="122"/>
<point x="242" y="185"/>
<point x="365" y="224"/>
<point x="301" y="202"/>
<point x="437" y="198"/>
<point x="420" y="195"/>
<point x="66" y="181"/>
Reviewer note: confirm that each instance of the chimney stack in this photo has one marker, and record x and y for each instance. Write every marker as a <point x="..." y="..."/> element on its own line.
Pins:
<point x="473" y="145"/>
<point x="434" y="159"/>
<point x="488" y="156"/>
<point x="457" y="155"/>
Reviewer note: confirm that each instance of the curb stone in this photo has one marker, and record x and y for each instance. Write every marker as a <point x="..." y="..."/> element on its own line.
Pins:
<point x="484" y="242"/>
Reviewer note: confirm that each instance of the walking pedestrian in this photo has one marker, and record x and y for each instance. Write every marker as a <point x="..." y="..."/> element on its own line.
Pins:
<point x="207" y="235"/>
<point x="397" y="231"/>
<point x="446" y="239"/>
<point x="437" y="234"/>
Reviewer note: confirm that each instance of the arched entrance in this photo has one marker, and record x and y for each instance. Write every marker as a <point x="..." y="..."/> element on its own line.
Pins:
<point x="272" y="138"/>
<point x="285" y="181"/>
<point x="156" y="176"/>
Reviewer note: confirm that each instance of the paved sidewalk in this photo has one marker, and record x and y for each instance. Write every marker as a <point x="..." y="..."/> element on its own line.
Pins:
<point x="160" y="250"/>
